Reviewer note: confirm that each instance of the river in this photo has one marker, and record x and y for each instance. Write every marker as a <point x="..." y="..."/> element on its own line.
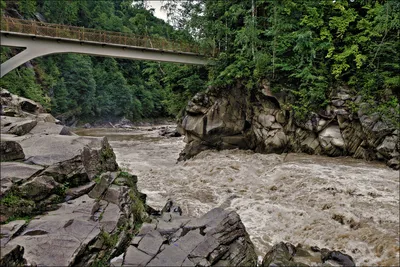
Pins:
<point x="338" y="203"/>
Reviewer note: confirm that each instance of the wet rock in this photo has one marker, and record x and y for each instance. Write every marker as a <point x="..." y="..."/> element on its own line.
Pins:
<point x="169" y="132"/>
<point x="331" y="140"/>
<point x="285" y="254"/>
<point x="394" y="163"/>
<point x="10" y="150"/>
<point x="388" y="146"/>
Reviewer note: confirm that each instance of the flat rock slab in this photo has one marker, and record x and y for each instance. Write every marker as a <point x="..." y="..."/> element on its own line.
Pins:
<point x="56" y="238"/>
<point x="151" y="243"/>
<point x="18" y="171"/>
<point x="47" y="150"/>
<point x="46" y="128"/>
<point x="135" y="257"/>
<point x="218" y="238"/>
<point x="22" y="127"/>
<point x="9" y="229"/>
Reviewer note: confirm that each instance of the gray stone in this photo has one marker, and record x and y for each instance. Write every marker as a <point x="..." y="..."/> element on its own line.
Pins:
<point x="80" y="190"/>
<point x="57" y="238"/>
<point x="8" y="230"/>
<point x="135" y="257"/>
<point x="110" y="217"/>
<point x="388" y="145"/>
<point x="47" y="150"/>
<point x="22" y="128"/>
<point x="280" y="117"/>
<point x="151" y="243"/>
<point x="266" y="120"/>
<point x="18" y="171"/>
<point x="394" y="163"/>
<point x="115" y="193"/>
<point x="10" y="150"/>
<point x="311" y="144"/>
<point x="46" y="128"/>
<point x="117" y="261"/>
<point x="106" y="179"/>
<point x="45" y="117"/>
<point x="338" y="102"/>
<point x="331" y="140"/>
<point x="38" y="188"/>
<point x="146" y="228"/>
<point x="170" y="256"/>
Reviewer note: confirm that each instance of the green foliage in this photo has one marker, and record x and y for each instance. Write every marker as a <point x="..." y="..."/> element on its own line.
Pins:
<point x="94" y="88"/>
<point x="138" y="209"/>
<point x="303" y="48"/>
<point x="109" y="240"/>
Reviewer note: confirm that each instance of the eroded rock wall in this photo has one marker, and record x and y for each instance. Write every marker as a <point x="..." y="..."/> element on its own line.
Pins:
<point x="233" y="119"/>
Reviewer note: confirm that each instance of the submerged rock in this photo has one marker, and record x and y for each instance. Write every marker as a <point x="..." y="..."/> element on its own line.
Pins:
<point x="285" y="254"/>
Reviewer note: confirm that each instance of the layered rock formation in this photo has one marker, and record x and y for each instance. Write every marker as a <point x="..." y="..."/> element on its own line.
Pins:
<point x="233" y="119"/>
<point x="65" y="202"/>
<point x="64" y="198"/>
<point x="216" y="239"/>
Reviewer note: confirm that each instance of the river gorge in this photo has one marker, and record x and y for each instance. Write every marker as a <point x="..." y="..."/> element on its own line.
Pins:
<point x="342" y="203"/>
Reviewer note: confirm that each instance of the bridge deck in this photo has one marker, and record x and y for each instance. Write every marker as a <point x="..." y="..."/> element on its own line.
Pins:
<point x="34" y="28"/>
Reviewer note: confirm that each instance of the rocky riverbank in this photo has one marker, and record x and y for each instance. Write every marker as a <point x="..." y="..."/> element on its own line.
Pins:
<point x="65" y="202"/>
<point x="227" y="119"/>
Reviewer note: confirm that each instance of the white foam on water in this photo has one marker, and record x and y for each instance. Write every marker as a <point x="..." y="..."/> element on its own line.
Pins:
<point x="338" y="203"/>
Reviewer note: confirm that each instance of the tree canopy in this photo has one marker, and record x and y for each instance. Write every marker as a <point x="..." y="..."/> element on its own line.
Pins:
<point x="302" y="49"/>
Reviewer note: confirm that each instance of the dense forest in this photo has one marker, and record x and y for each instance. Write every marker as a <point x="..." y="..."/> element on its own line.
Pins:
<point x="300" y="49"/>
<point x="98" y="88"/>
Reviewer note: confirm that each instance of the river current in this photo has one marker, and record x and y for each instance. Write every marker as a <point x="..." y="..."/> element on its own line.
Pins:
<point x="337" y="203"/>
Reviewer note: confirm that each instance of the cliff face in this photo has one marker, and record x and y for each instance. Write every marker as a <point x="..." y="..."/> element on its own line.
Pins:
<point x="234" y="119"/>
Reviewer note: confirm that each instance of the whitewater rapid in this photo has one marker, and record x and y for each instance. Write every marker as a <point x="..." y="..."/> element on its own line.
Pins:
<point x="338" y="203"/>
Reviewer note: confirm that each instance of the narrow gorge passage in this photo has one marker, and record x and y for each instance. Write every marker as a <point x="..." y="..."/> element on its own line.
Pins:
<point x="339" y="203"/>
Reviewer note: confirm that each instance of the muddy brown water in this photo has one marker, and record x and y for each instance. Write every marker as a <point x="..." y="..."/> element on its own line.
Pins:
<point x="338" y="203"/>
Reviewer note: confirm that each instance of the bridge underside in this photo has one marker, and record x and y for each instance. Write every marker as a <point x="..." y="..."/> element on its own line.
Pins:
<point x="37" y="46"/>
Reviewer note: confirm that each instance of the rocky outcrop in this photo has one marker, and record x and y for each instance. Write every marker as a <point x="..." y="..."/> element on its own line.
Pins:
<point x="216" y="239"/>
<point x="232" y="118"/>
<point x="285" y="254"/>
<point x="10" y="150"/>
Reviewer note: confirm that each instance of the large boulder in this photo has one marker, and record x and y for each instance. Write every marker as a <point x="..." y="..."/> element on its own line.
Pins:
<point x="285" y="254"/>
<point x="218" y="238"/>
<point x="10" y="150"/>
<point x="210" y="118"/>
<point x="22" y="128"/>
<point x="331" y="141"/>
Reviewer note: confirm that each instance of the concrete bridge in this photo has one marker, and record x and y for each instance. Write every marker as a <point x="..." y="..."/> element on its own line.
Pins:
<point x="42" y="39"/>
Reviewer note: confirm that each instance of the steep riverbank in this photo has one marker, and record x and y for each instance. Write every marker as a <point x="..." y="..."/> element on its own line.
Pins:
<point x="235" y="117"/>
<point x="341" y="203"/>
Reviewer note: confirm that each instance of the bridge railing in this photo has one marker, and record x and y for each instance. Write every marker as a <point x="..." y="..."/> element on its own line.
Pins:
<point x="86" y="34"/>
